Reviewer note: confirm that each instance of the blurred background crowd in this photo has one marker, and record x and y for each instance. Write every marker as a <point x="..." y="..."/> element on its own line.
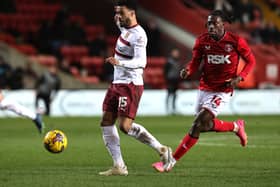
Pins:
<point x="76" y="36"/>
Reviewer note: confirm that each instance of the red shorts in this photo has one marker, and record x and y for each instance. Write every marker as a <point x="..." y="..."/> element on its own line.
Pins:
<point x="123" y="99"/>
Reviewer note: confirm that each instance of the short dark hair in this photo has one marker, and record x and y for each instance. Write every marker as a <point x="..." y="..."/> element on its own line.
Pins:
<point x="130" y="4"/>
<point x="222" y="15"/>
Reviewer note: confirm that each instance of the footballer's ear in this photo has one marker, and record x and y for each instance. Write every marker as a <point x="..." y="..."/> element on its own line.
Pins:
<point x="132" y="12"/>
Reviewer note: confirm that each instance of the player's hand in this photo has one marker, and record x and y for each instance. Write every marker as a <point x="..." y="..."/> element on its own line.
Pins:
<point x="184" y="73"/>
<point x="117" y="19"/>
<point x="233" y="82"/>
<point x="112" y="61"/>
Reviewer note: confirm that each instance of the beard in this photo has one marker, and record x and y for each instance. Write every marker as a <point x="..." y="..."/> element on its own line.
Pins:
<point x="125" y="23"/>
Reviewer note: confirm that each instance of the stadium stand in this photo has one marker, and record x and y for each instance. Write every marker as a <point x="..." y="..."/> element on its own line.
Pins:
<point x="179" y="11"/>
<point x="44" y="30"/>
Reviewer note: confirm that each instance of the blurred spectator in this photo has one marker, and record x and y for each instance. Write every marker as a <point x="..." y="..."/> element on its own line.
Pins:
<point x="58" y="29"/>
<point x="46" y="88"/>
<point x="98" y="46"/>
<point x="172" y="76"/>
<point x="30" y="76"/>
<point x="65" y="66"/>
<point x="274" y="5"/>
<point x="5" y="71"/>
<point x="246" y="12"/>
<point x="154" y="35"/>
<point x="16" y="79"/>
<point x="208" y="4"/>
<point x="29" y="71"/>
<point x="257" y="33"/>
<point x="270" y="34"/>
<point x="74" y="33"/>
<point x="44" y="38"/>
<point x="224" y="5"/>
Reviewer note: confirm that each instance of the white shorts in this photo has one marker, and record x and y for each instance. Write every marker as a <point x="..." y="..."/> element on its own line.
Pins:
<point x="212" y="101"/>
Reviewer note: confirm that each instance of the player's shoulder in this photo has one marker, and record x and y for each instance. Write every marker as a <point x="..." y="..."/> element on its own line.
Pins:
<point x="233" y="36"/>
<point x="137" y="30"/>
<point x="203" y="36"/>
<point x="138" y="34"/>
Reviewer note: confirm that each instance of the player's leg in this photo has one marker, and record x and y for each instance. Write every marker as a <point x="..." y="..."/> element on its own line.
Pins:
<point x="6" y="104"/>
<point x="141" y="134"/>
<point x="174" y="95"/>
<point x="47" y="101"/>
<point x="202" y="123"/>
<point x="112" y="142"/>
<point x="174" y="102"/>
<point x="238" y="126"/>
<point x="208" y="106"/>
<point x="167" y="101"/>
<point x="110" y="133"/>
<point x="129" y="99"/>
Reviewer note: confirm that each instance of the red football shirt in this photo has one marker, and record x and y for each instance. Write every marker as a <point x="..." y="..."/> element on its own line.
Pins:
<point x="220" y="60"/>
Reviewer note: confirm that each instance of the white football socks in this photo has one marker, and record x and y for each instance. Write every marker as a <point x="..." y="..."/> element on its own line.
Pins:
<point x="15" y="107"/>
<point x="140" y="133"/>
<point x="112" y="142"/>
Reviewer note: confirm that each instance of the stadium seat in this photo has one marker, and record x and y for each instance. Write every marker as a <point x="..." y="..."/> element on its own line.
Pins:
<point x="93" y="30"/>
<point x="77" y="19"/>
<point x="75" y="72"/>
<point x="74" y="53"/>
<point x="156" y="62"/>
<point x="93" y="65"/>
<point x="111" y="40"/>
<point x="154" y="78"/>
<point x="7" y="38"/>
<point x="26" y="49"/>
<point x="46" y="60"/>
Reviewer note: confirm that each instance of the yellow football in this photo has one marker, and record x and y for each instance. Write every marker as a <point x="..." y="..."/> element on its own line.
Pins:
<point x="55" y="141"/>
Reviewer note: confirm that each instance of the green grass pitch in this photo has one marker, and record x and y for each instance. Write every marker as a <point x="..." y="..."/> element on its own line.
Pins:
<point x="217" y="159"/>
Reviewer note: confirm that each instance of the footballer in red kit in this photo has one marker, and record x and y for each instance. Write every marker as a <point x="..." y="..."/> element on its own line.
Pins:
<point x="219" y="51"/>
<point x="220" y="59"/>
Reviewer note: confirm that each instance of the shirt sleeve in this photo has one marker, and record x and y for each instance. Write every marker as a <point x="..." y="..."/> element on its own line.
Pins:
<point x="139" y="59"/>
<point x="247" y="55"/>
<point x="197" y="54"/>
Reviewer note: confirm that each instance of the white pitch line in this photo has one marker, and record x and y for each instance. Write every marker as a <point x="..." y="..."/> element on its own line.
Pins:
<point x="238" y="145"/>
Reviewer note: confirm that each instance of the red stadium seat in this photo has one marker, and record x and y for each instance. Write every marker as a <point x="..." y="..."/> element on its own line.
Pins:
<point x="77" y="19"/>
<point x="7" y="38"/>
<point x="75" y="72"/>
<point x="93" y="30"/>
<point x="26" y="49"/>
<point x="74" y="53"/>
<point x="41" y="11"/>
<point x="156" y="62"/>
<point x="93" y="65"/>
<point x="111" y="40"/>
<point x="154" y="78"/>
<point x="46" y="60"/>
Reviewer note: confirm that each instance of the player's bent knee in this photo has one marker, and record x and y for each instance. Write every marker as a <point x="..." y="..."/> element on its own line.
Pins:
<point x="124" y="128"/>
